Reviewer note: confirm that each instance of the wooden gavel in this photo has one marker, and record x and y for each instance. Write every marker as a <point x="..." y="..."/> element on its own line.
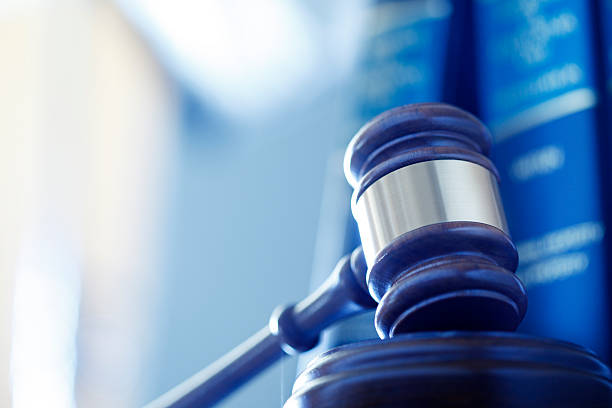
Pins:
<point x="438" y="264"/>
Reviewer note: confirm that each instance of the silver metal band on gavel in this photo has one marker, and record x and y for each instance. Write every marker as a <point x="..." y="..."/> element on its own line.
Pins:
<point x="422" y="194"/>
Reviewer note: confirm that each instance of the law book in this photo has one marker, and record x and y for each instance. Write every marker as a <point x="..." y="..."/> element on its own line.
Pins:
<point x="537" y="91"/>
<point x="403" y="60"/>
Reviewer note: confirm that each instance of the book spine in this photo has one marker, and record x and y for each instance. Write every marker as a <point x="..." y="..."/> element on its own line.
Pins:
<point x="537" y="92"/>
<point x="398" y="66"/>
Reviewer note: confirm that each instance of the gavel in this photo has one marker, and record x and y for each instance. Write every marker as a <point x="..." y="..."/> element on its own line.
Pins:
<point x="437" y="262"/>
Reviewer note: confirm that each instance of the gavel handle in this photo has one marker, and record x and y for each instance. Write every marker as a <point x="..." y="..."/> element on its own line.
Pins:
<point x="292" y="329"/>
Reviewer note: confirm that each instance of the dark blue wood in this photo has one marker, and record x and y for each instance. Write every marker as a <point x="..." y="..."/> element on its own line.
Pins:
<point x="455" y="369"/>
<point x="416" y="129"/>
<point x="448" y="276"/>
<point x="451" y="276"/>
<point x="292" y="329"/>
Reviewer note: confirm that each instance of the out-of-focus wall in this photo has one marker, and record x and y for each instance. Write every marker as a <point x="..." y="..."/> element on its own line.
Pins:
<point x="241" y="232"/>
<point x="87" y="125"/>
<point x="19" y="83"/>
<point x="134" y="128"/>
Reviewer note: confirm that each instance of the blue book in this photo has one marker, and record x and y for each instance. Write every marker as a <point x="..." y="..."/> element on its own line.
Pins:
<point x="398" y="65"/>
<point x="404" y="53"/>
<point x="537" y="92"/>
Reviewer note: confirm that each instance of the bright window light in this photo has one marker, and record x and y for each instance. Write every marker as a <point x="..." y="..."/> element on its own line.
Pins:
<point x="243" y="56"/>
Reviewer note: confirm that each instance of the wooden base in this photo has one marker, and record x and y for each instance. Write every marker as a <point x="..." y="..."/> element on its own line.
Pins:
<point x="455" y="369"/>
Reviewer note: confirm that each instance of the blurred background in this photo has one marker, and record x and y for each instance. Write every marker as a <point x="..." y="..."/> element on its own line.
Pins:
<point x="172" y="171"/>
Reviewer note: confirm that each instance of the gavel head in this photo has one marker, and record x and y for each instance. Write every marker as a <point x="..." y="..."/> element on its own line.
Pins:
<point x="431" y="222"/>
<point x="439" y="258"/>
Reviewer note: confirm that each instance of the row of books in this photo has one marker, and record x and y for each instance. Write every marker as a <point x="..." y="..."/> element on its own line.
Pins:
<point x="539" y="74"/>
